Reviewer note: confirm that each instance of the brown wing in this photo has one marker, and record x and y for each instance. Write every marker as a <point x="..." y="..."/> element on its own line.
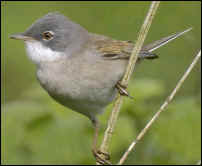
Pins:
<point x="115" y="49"/>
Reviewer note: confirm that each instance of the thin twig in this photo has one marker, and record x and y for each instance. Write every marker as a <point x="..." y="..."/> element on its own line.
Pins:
<point x="162" y="108"/>
<point x="117" y="105"/>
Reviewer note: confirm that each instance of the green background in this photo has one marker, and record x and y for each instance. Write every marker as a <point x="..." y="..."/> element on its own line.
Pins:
<point x="37" y="130"/>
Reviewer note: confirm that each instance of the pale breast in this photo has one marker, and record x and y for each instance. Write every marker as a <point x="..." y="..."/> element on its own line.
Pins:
<point x="83" y="84"/>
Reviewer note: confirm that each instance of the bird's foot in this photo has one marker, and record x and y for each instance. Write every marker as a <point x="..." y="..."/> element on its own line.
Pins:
<point x="122" y="89"/>
<point x="102" y="157"/>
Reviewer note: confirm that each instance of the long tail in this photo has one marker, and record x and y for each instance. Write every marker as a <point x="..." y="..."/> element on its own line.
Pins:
<point x="146" y="50"/>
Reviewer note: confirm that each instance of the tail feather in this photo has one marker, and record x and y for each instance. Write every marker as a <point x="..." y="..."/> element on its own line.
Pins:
<point x="155" y="45"/>
<point x="147" y="55"/>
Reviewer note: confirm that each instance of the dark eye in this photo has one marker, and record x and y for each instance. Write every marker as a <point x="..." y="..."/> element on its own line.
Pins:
<point x="48" y="35"/>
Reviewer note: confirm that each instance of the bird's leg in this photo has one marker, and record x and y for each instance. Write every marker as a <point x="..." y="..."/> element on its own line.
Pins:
<point x="122" y="90"/>
<point x="96" y="152"/>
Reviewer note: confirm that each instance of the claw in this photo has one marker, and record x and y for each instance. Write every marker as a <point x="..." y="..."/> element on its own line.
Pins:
<point x="101" y="160"/>
<point x="122" y="90"/>
<point x="107" y="156"/>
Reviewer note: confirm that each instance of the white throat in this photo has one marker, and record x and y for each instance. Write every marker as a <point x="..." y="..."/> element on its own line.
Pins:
<point x="39" y="53"/>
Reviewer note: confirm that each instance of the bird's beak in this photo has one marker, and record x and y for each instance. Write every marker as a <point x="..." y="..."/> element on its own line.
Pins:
<point x="21" y="37"/>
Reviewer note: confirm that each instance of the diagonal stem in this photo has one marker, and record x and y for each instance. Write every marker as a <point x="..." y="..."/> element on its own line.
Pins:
<point x="133" y="58"/>
<point x="162" y="108"/>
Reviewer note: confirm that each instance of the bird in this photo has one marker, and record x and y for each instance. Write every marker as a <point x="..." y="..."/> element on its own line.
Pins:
<point x="79" y="69"/>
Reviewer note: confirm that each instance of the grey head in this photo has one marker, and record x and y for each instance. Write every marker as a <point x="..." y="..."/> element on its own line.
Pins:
<point x="56" y="32"/>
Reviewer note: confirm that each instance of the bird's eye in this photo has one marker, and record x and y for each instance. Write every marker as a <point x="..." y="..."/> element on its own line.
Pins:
<point x="48" y="35"/>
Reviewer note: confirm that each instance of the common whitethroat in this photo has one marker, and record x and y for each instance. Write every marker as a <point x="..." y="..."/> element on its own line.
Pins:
<point x="79" y="69"/>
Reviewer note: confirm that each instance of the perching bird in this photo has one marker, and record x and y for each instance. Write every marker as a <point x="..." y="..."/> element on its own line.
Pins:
<point x="79" y="69"/>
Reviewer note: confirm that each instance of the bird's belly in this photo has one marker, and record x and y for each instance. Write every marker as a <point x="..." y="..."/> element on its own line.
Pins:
<point x="84" y="93"/>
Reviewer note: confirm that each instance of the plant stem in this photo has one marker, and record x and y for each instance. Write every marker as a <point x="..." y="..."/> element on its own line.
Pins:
<point x="131" y="65"/>
<point x="161" y="109"/>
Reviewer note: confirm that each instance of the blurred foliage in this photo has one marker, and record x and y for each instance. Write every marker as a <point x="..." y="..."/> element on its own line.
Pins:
<point x="37" y="130"/>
